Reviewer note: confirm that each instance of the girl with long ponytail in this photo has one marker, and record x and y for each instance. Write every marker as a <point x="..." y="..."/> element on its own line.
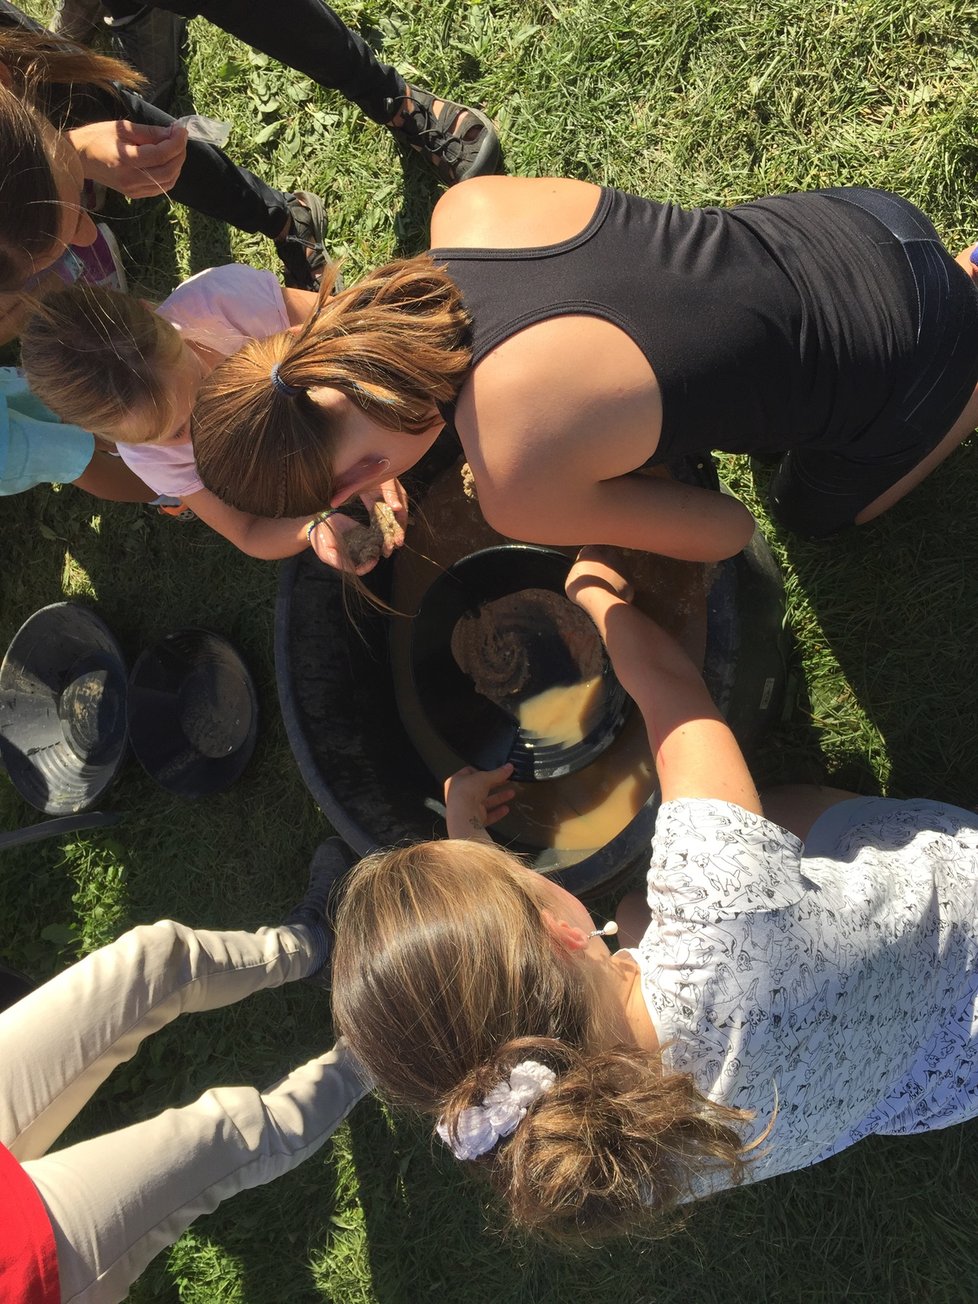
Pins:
<point x="801" y="973"/>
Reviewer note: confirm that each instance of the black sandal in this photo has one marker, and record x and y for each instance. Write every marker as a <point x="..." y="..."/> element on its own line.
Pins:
<point x="457" y="141"/>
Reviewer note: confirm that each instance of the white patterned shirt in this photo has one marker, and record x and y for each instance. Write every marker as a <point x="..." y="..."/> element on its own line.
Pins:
<point x="850" y="984"/>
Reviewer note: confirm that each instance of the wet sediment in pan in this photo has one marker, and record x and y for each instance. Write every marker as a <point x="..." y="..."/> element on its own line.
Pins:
<point x="345" y="684"/>
<point x="557" y="821"/>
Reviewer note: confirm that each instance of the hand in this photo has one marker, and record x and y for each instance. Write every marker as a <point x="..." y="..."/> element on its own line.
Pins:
<point x="327" y="543"/>
<point x="327" y="537"/>
<point x="474" y="799"/>
<point x="596" y="575"/>
<point x="138" y="161"/>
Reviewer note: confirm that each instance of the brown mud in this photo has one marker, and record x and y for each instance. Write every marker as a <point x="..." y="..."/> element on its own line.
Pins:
<point x="570" y="817"/>
<point x="365" y="544"/>
<point x="493" y="646"/>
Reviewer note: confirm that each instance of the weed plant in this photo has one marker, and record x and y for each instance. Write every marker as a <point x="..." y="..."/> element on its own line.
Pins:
<point x="695" y="101"/>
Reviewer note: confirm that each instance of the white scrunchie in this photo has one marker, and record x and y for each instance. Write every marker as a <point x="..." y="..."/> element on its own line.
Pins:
<point x="480" y="1127"/>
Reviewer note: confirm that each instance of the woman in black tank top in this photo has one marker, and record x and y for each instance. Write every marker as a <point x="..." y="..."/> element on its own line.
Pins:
<point x="578" y="336"/>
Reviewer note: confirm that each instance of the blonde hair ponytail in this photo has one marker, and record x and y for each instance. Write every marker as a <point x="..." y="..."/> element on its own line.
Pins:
<point x="97" y="357"/>
<point x="395" y="344"/>
<point x="445" y="978"/>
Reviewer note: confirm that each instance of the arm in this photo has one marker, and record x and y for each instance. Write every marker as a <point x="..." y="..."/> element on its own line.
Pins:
<point x="636" y="511"/>
<point x="696" y="755"/>
<point x="300" y="305"/>
<point x="554" y="423"/>
<point x="258" y="536"/>
<point x="107" y="476"/>
<point x="475" y="799"/>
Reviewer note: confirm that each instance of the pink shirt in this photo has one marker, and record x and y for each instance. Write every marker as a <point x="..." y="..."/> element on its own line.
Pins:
<point x="222" y="308"/>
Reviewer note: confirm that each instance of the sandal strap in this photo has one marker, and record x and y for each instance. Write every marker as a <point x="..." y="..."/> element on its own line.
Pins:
<point x="441" y="135"/>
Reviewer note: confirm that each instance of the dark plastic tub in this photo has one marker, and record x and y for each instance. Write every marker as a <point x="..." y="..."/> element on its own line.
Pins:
<point x="338" y="702"/>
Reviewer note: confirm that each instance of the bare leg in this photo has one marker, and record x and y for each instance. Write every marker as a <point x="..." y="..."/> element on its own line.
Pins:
<point x="963" y="427"/>
<point x="796" y="806"/>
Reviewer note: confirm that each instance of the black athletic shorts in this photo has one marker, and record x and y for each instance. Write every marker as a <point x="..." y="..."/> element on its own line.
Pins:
<point x="818" y="491"/>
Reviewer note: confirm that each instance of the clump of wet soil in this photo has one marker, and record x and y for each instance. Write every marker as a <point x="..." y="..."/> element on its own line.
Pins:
<point x="468" y="483"/>
<point x="365" y="544"/>
<point x="501" y="646"/>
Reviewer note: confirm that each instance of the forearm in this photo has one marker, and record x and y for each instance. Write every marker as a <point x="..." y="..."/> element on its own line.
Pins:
<point x="695" y="752"/>
<point x="107" y="476"/>
<point x="678" y="520"/>
<point x="266" y="538"/>
<point x="272" y="540"/>
<point x="651" y="667"/>
<point x="466" y="827"/>
<point x="641" y="512"/>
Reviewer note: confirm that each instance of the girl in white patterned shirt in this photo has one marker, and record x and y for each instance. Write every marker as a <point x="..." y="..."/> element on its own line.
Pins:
<point x="776" y="1000"/>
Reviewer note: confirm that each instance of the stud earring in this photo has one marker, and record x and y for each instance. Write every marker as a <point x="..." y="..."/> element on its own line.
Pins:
<point x="609" y="930"/>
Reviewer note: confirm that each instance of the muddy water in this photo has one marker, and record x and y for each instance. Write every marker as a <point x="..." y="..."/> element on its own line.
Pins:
<point x="569" y="818"/>
<point x="565" y="714"/>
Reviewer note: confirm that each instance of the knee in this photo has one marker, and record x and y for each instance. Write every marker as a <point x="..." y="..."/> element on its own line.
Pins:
<point x="159" y="946"/>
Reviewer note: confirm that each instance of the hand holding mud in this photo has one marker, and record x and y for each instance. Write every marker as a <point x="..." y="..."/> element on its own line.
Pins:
<point x="346" y="545"/>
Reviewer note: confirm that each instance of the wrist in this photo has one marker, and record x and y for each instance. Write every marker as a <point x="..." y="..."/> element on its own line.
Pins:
<point x="319" y="519"/>
<point x="596" y="600"/>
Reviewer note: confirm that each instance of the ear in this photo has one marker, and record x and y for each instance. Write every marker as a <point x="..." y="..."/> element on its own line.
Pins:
<point x="6" y="77"/>
<point x="368" y="471"/>
<point x="568" y="937"/>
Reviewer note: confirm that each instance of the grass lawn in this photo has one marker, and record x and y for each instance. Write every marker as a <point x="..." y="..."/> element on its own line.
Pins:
<point x="695" y="101"/>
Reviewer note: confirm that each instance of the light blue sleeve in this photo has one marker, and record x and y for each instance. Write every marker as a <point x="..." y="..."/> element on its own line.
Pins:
<point x="35" y="447"/>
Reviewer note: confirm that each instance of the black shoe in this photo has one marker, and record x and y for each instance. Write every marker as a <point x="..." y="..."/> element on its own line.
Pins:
<point x="330" y="864"/>
<point x="458" y="142"/>
<point x="302" y="251"/>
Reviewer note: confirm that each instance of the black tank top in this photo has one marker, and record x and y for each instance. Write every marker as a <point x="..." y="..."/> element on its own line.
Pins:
<point x="771" y="325"/>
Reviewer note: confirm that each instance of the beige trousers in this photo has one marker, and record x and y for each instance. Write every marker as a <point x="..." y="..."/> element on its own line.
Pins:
<point x="116" y="1201"/>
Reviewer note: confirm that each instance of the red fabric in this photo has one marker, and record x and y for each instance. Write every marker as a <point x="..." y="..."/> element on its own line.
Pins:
<point x="28" y="1260"/>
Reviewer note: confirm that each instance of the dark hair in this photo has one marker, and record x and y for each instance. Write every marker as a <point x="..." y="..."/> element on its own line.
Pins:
<point x="37" y="60"/>
<point x="395" y="344"/>
<point x="445" y="977"/>
<point x="30" y="206"/>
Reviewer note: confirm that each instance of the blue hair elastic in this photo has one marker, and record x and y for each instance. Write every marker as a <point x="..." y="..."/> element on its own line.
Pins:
<point x="283" y="387"/>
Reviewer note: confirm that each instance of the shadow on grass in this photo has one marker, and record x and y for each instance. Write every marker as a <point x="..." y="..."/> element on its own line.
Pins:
<point x="897" y="605"/>
<point x="421" y="192"/>
<point x="843" y="1229"/>
<point x="145" y="233"/>
<point x="210" y="245"/>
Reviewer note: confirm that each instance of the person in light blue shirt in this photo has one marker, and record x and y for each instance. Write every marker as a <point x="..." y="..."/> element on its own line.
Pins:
<point x="36" y="448"/>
